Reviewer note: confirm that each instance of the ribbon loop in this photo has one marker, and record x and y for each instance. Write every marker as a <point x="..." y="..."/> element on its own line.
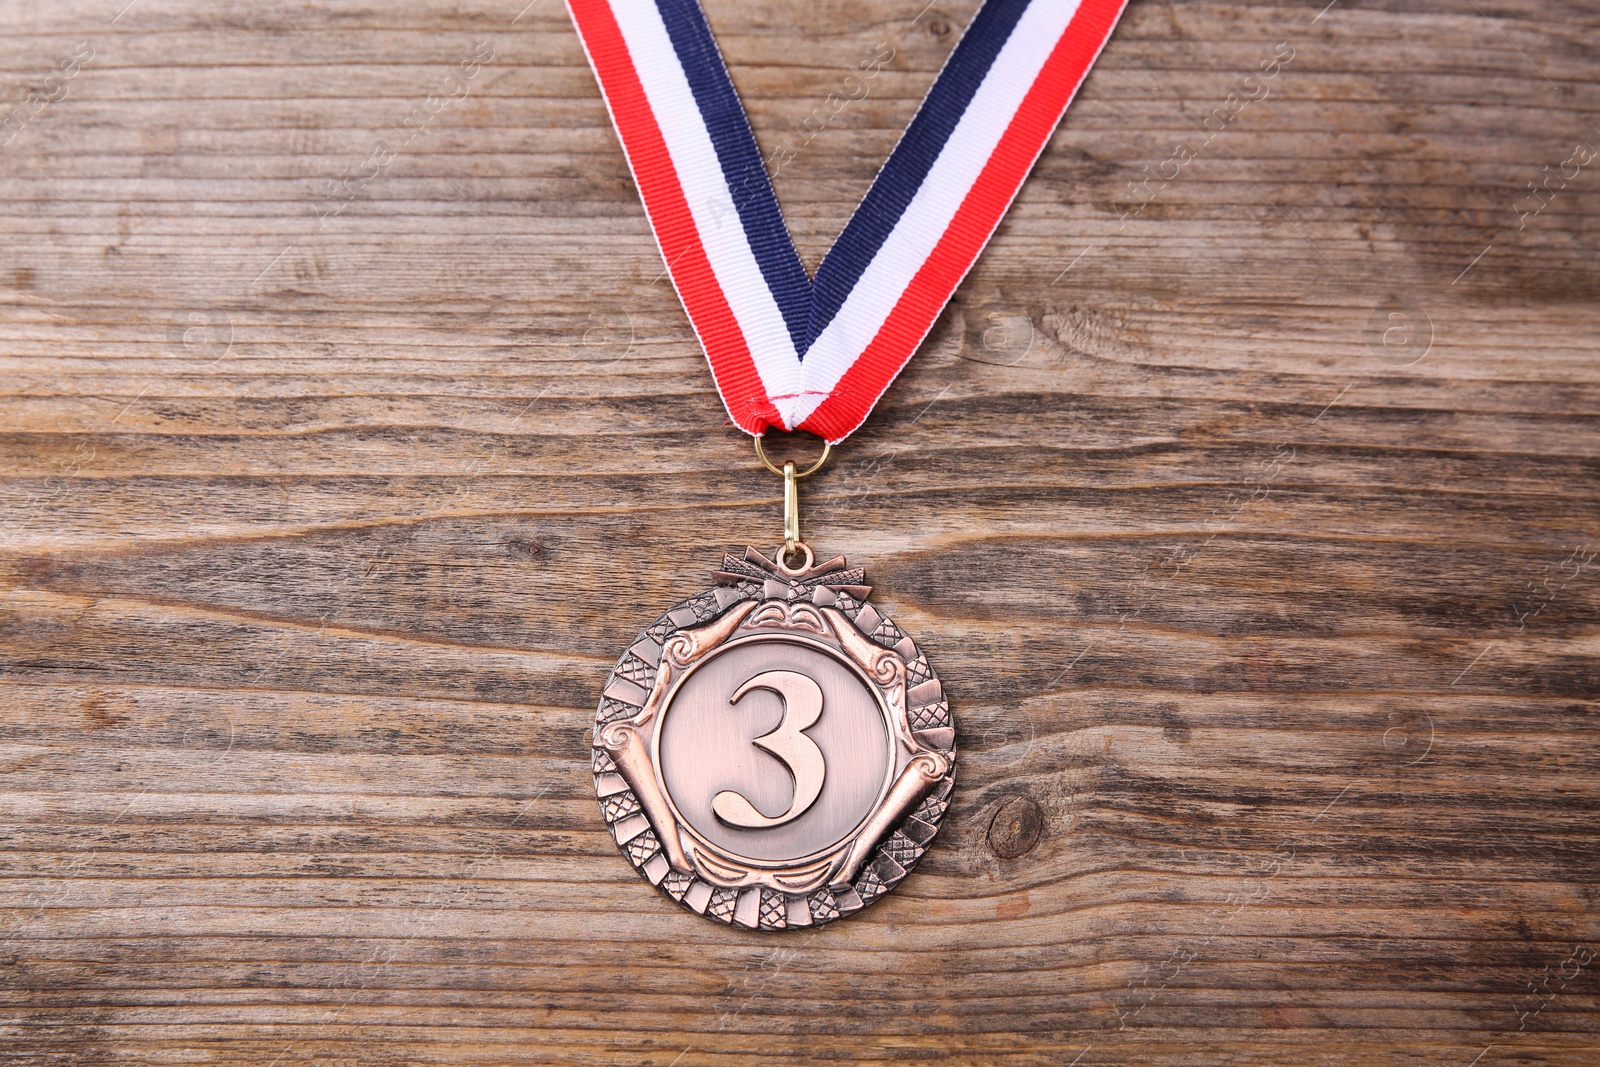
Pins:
<point x="788" y="351"/>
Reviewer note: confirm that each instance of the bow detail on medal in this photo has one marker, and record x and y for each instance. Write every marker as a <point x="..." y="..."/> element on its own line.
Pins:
<point x="816" y="354"/>
<point x="780" y="582"/>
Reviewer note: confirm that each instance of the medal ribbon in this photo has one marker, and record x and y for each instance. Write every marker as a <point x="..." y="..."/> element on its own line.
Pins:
<point x="816" y="354"/>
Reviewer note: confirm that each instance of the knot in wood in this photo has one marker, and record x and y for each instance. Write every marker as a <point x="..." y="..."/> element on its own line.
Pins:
<point x="1016" y="828"/>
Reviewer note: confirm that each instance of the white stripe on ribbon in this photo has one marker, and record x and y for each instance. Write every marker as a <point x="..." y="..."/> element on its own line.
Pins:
<point x="711" y="202"/>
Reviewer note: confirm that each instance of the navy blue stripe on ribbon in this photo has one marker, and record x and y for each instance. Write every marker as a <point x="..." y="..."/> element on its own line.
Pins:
<point x="742" y="166"/>
<point x="902" y="175"/>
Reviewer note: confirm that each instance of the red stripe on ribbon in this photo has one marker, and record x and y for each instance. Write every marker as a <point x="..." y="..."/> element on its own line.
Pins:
<point x="858" y="390"/>
<point x="668" y="209"/>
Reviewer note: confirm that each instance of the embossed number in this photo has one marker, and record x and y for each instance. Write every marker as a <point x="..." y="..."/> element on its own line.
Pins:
<point x="802" y="707"/>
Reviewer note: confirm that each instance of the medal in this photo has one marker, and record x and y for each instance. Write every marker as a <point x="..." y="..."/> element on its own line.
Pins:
<point x="775" y="752"/>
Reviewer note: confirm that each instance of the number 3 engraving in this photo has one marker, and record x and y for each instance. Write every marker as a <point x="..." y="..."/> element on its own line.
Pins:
<point x="802" y="707"/>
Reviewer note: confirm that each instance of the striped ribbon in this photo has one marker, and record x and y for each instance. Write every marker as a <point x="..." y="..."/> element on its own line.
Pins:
<point x="816" y="354"/>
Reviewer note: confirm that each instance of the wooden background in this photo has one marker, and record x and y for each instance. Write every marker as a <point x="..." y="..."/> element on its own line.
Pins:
<point x="1245" y="499"/>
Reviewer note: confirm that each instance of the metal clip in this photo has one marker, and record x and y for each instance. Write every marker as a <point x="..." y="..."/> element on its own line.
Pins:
<point x="791" y="492"/>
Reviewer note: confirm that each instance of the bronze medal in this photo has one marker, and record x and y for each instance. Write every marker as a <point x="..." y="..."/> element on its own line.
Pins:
<point x="774" y="752"/>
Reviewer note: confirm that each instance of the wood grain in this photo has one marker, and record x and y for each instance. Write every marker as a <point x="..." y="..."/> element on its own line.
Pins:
<point x="1247" y="505"/>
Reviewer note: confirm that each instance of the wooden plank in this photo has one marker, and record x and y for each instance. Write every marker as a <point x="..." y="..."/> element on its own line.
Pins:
<point x="1245" y="498"/>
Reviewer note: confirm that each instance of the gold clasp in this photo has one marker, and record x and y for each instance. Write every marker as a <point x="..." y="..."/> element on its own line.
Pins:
<point x="791" y="492"/>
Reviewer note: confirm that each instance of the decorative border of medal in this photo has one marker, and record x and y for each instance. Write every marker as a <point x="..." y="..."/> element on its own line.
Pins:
<point x="820" y="605"/>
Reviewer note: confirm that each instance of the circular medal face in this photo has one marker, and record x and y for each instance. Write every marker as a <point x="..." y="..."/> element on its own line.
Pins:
<point x="774" y="752"/>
